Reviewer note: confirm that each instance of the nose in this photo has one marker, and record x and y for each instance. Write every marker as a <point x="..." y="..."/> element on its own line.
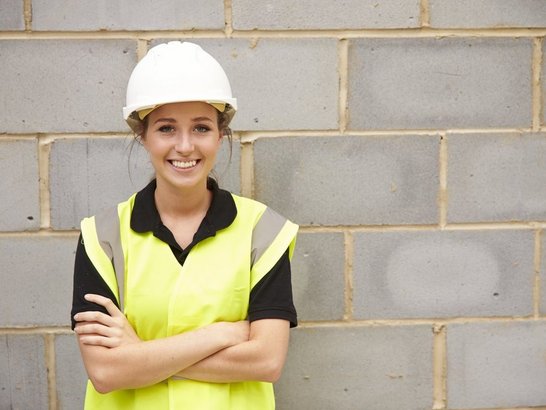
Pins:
<point x="184" y="143"/>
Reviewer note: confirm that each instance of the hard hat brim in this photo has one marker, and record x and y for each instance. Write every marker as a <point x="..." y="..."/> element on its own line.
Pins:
<point x="135" y="122"/>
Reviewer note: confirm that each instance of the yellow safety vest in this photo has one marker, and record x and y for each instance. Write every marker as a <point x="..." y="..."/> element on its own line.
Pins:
<point x="161" y="298"/>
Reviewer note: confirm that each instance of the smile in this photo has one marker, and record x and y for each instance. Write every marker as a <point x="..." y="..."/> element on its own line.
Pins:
<point x="184" y="164"/>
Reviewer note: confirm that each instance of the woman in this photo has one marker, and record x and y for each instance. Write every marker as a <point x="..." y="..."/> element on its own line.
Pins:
<point x="202" y="276"/>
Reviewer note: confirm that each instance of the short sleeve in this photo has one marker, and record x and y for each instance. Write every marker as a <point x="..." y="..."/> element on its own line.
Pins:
<point x="87" y="280"/>
<point x="271" y="297"/>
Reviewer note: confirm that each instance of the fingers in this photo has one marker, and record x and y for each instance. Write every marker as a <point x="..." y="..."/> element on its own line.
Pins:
<point x="92" y="328"/>
<point x="110" y="306"/>
<point x="98" y="328"/>
<point x="95" y="316"/>
<point x="97" y="340"/>
<point x="94" y="334"/>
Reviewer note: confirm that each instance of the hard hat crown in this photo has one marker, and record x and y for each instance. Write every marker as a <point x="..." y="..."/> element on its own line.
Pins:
<point x="177" y="72"/>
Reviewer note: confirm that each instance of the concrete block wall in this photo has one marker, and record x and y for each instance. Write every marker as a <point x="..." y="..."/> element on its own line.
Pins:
<point x="406" y="137"/>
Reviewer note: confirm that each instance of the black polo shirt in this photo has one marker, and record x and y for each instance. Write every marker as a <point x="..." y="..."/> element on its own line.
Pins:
<point x="271" y="297"/>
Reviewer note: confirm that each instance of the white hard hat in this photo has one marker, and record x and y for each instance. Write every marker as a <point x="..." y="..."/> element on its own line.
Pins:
<point x="176" y="72"/>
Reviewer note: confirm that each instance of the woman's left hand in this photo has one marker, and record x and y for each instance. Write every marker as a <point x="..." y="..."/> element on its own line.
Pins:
<point x="99" y="329"/>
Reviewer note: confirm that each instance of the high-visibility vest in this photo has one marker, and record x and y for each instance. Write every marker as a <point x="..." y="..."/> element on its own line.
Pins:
<point x="161" y="298"/>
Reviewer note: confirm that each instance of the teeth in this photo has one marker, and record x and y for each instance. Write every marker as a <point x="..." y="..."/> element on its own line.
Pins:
<point x="182" y="164"/>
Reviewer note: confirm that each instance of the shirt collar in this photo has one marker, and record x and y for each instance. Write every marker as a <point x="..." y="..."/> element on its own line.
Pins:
<point x="221" y="213"/>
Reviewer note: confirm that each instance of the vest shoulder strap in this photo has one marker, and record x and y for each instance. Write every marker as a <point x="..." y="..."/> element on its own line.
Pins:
<point x="107" y="226"/>
<point x="264" y="233"/>
<point x="272" y="235"/>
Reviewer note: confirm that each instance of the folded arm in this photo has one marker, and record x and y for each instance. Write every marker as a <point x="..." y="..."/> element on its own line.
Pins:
<point x="261" y="358"/>
<point x="116" y="359"/>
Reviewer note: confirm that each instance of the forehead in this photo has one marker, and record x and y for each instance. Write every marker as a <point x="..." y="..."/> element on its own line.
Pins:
<point x="185" y="110"/>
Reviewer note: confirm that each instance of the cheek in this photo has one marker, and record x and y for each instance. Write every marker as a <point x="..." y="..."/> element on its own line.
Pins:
<point x="219" y="142"/>
<point x="215" y="147"/>
<point x="150" y="148"/>
<point x="154" y="144"/>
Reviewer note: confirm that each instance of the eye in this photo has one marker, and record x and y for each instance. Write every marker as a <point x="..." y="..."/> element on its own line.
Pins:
<point x="201" y="129"/>
<point x="167" y="129"/>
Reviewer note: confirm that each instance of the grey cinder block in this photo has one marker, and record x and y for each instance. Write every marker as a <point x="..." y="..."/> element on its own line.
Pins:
<point x="388" y="368"/>
<point x="71" y="376"/>
<point x="318" y="279"/>
<point x="64" y="85"/>
<point x="443" y="274"/>
<point x="487" y="13"/>
<point x="19" y="185"/>
<point x="88" y="175"/>
<point x="23" y="375"/>
<point x="496" y="365"/>
<point x="12" y="15"/>
<point x="127" y="15"/>
<point x="349" y="180"/>
<point x="496" y="177"/>
<point x="324" y="14"/>
<point x="543" y="274"/>
<point x="39" y="268"/>
<point x="426" y="83"/>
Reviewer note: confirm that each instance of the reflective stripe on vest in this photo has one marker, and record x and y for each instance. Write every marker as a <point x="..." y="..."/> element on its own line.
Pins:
<point x="265" y="231"/>
<point x="107" y="226"/>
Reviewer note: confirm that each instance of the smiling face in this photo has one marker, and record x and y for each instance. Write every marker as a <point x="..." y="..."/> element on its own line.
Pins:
<point x="182" y="140"/>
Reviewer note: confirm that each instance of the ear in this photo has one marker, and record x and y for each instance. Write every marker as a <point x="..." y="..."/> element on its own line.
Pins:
<point x="142" y="142"/>
<point x="140" y="133"/>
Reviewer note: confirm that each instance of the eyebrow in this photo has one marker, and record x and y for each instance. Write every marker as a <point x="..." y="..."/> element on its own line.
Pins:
<point x="172" y="120"/>
<point x="197" y="119"/>
<point x="164" y="120"/>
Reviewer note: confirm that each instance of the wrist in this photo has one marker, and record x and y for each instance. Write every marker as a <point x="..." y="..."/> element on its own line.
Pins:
<point x="219" y="332"/>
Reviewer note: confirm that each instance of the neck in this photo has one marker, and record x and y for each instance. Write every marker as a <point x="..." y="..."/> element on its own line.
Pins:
<point x="176" y="202"/>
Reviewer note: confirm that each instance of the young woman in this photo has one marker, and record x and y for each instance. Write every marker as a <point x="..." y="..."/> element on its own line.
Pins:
<point x="182" y="294"/>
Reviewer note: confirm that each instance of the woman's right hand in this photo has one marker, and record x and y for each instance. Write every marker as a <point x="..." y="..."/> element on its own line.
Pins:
<point x="100" y="329"/>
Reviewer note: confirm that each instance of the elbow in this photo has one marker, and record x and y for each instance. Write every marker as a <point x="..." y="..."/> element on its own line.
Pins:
<point x="272" y="378"/>
<point x="101" y="388"/>
<point x="275" y="375"/>
<point x="102" y="381"/>
<point x="272" y="372"/>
